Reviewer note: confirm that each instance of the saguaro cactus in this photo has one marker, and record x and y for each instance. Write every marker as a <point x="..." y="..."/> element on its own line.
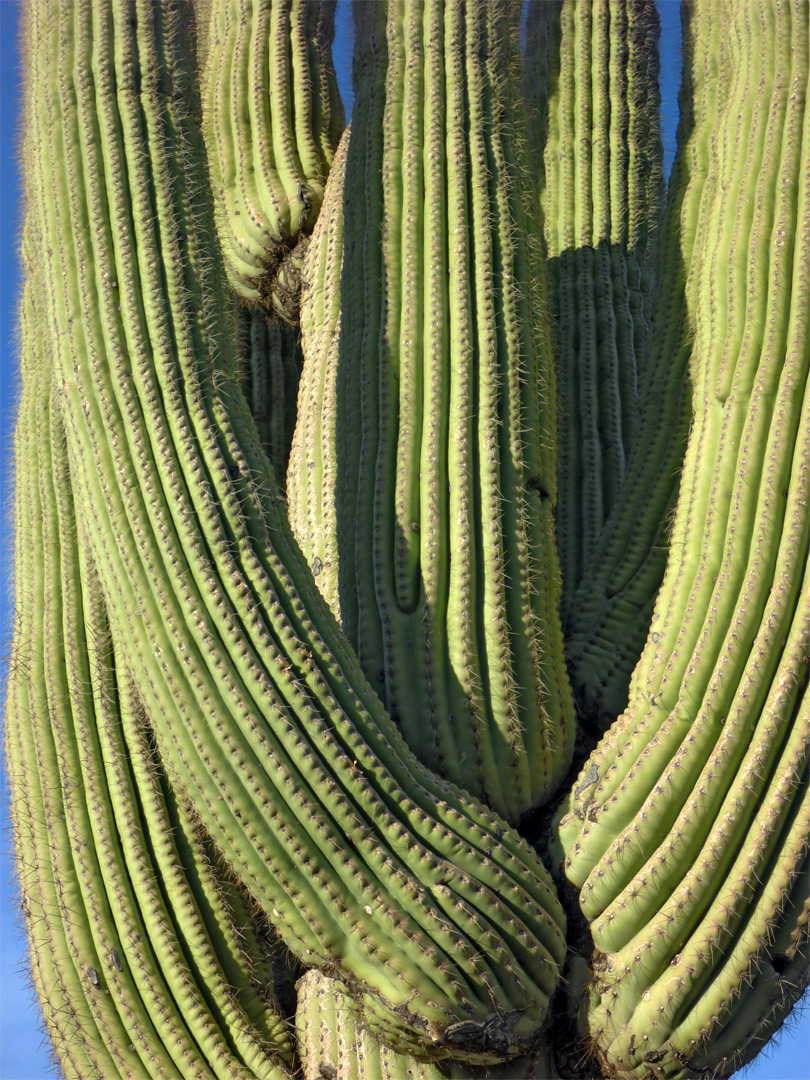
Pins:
<point x="224" y="711"/>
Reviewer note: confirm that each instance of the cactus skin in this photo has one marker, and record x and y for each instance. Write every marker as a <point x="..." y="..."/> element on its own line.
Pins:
<point x="365" y="860"/>
<point x="609" y="615"/>
<point x="195" y="757"/>
<point x="334" y="1043"/>
<point x="435" y="533"/>
<point x="272" y="373"/>
<point x="273" y="118"/>
<point x="713" y="751"/>
<point x="591" y="83"/>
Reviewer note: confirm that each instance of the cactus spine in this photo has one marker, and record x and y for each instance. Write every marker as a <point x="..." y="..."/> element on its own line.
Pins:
<point x="436" y="532"/>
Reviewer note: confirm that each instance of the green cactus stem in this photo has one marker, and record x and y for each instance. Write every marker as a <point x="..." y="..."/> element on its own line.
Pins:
<point x="273" y="118"/>
<point x="592" y="87"/>
<point x="687" y="831"/>
<point x="609" y="615"/>
<point x="430" y="411"/>
<point x="366" y="862"/>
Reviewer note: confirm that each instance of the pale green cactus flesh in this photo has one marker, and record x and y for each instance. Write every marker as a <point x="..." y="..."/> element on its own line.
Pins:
<point x="422" y="477"/>
<point x="687" y="833"/>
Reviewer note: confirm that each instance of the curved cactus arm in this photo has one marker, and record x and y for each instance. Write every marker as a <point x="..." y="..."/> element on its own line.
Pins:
<point x="83" y="1025"/>
<point x="610" y="613"/>
<point x="591" y="83"/>
<point x="273" y="118"/>
<point x="120" y="998"/>
<point x="430" y="403"/>
<point x="367" y="862"/>
<point x="712" y="753"/>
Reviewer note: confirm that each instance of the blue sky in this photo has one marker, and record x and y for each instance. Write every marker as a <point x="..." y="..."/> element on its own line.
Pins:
<point x="22" y="1053"/>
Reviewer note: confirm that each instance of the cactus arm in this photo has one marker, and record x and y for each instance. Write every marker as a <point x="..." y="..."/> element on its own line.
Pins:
<point x="268" y="720"/>
<point x="612" y="608"/>
<point x="272" y="122"/>
<point x="450" y="589"/>
<point x="591" y="83"/>
<point x="713" y="747"/>
<point x="52" y="909"/>
<point x="112" y="946"/>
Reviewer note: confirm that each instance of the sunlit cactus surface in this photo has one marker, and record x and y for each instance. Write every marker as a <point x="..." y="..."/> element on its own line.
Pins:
<point x="409" y="674"/>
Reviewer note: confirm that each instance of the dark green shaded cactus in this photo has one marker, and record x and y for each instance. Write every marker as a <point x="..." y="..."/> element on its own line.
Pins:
<point x="231" y="864"/>
<point x="272" y="371"/>
<point x="609" y="613"/>
<point x="592" y="87"/>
